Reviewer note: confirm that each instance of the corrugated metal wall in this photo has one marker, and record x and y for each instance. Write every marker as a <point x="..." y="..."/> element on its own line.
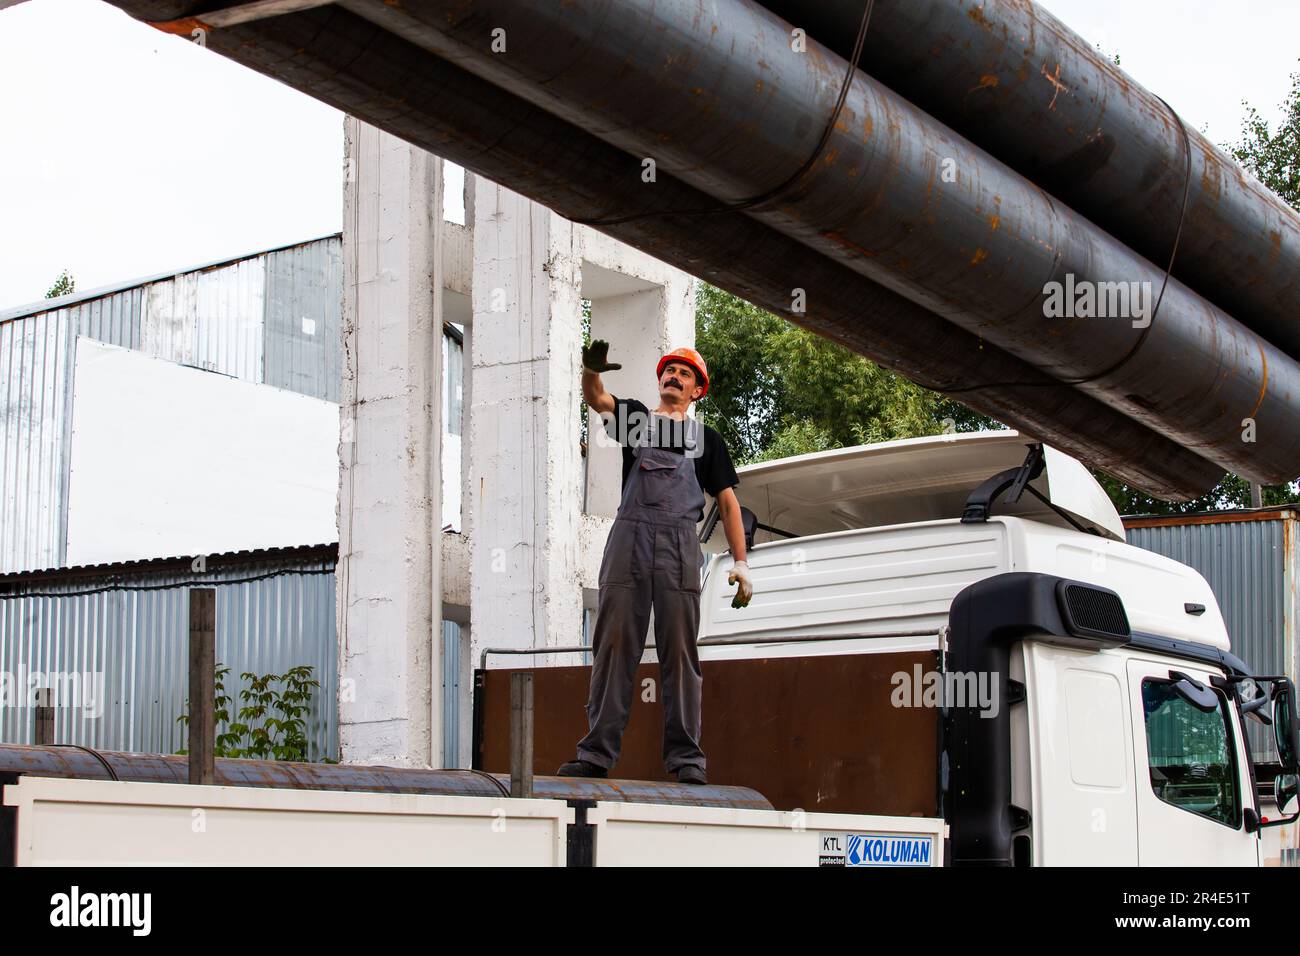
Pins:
<point x="1250" y="565"/>
<point x="210" y="320"/>
<point x="35" y="366"/>
<point x="270" y="318"/>
<point x="130" y="634"/>
<point x="273" y="318"/>
<point x="304" y="313"/>
<point x="37" y="353"/>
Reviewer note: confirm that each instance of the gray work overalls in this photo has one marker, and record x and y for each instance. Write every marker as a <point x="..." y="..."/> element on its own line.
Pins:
<point x="652" y="559"/>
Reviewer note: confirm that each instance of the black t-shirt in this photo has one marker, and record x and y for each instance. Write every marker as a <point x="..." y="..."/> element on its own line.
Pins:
<point x="713" y="468"/>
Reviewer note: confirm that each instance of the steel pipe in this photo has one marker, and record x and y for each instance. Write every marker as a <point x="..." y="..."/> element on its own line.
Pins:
<point x="346" y="62"/>
<point x="18" y="760"/>
<point x="721" y="100"/>
<point x="1022" y="85"/>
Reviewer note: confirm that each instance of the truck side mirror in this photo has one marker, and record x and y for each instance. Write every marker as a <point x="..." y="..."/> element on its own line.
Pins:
<point x="749" y="523"/>
<point x="1285" y="786"/>
<point x="1252" y="699"/>
<point x="1286" y="729"/>
<point x="1194" y="692"/>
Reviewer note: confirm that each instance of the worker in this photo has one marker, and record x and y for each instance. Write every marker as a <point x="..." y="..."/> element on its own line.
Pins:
<point x="653" y="560"/>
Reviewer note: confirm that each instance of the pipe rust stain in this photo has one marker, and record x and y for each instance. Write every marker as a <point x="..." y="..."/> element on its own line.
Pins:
<point x="185" y="26"/>
<point x="1210" y="183"/>
<point x="841" y="240"/>
<point x="1055" y="80"/>
<point x="1173" y="521"/>
<point x="1263" y="384"/>
<point x="980" y="254"/>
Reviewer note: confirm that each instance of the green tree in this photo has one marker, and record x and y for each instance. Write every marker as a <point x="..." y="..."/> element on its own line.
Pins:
<point x="63" y="285"/>
<point x="777" y="389"/>
<point x="1232" y="491"/>
<point x="1274" y="155"/>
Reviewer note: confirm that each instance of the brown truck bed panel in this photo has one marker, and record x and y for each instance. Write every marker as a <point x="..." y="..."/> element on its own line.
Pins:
<point x="817" y="733"/>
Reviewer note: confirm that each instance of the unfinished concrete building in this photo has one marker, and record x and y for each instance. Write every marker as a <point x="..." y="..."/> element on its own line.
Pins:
<point x="463" y="290"/>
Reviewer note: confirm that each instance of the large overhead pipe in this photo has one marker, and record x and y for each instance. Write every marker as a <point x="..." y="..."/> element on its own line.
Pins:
<point x="350" y="64"/>
<point x="1018" y="82"/>
<point x="721" y="100"/>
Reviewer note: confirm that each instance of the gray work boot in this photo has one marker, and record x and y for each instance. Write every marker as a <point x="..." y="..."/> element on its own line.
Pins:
<point x="581" y="768"/>
<point x="692" y="775"/>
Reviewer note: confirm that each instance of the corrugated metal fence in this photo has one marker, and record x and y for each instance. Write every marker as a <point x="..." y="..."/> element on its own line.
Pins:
<point x="1249" y="560"/>
<point x="115" y="639"/>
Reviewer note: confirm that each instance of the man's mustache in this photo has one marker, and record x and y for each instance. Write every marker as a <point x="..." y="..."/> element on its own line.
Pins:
<point x="671" y="382"/>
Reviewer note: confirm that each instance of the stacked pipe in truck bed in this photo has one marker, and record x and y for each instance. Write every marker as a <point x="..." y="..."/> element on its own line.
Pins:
<point x="386" y="81"/>
<point x="724" y="103"/>
<point x="1017" y="82"/>
<point x="83" y="763"/>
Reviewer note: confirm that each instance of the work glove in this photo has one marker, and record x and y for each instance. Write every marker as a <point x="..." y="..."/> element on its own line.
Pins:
<point x="594" y="357"/>
<point x="740" y="573"/>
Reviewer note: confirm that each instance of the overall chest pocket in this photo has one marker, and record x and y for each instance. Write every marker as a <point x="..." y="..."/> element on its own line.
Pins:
<point x="658" y="478"/>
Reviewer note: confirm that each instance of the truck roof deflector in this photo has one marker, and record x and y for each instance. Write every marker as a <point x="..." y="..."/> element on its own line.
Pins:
<point x="1016" y="481"/>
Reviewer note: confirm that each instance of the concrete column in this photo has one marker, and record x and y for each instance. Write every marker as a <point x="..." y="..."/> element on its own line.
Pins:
<point x="524" y="426"/>
<point x="390" y="589"/>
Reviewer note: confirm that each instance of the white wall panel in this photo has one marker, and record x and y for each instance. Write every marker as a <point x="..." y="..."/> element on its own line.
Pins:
<point x="168" y="460"/>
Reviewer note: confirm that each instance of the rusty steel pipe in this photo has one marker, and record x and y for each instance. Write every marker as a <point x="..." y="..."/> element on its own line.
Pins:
<point x="717" y="97"/>
<point x="18" y="760"/>
<point x="386" y="81"/>
<point x="1022" y="85"/>
<point x="346" y="62"/>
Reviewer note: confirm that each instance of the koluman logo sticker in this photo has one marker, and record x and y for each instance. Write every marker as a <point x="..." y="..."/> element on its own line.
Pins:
<point x="875" y="849"/>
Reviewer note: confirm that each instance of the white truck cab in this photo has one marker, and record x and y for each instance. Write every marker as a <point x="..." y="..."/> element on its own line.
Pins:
<point x="1090" y="708"/>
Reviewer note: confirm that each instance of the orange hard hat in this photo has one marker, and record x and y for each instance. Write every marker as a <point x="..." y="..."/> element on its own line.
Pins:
<point x="687" y="357"/>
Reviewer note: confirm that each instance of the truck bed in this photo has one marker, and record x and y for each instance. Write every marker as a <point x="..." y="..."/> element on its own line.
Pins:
<point x="815" y="733"/>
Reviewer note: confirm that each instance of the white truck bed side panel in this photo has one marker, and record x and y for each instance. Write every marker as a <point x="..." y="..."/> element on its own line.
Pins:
<point x="632" y="834"/>
<point x="862" y="582"/>
<point x="65" y="822"/>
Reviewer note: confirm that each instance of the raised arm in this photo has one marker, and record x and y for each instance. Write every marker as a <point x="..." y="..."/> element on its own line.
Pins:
<point x="594" y="362"/>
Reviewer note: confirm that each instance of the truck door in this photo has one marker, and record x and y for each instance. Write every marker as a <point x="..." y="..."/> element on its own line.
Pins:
<point x="1190" y="772"/>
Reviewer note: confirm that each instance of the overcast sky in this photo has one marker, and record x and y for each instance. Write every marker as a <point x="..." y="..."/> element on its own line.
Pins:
<point x="127" y="152"/>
